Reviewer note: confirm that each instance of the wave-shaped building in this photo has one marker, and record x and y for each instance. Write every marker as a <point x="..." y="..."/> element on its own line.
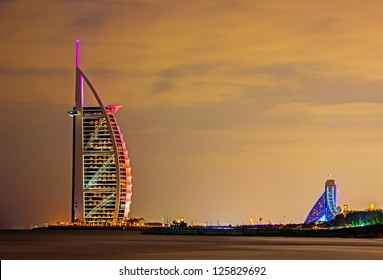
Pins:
<point x="325" y="209"/>
<point x="102" y="180"/>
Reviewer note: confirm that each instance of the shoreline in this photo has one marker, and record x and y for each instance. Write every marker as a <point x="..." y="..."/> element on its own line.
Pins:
<point x="374" y="231"/>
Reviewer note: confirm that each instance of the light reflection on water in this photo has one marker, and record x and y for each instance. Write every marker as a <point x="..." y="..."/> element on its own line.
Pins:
<point x="116" y="244"/>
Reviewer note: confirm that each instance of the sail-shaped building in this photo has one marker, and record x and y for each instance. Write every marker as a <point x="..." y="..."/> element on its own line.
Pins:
<point x="102" y="180"/>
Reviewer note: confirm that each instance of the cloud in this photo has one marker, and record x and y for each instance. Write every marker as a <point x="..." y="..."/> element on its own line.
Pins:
<point x="5" y="2"/>
<point x="344" y="114"/>
<point x="28" y="71"/>
<point x="89" y="21"/>
<point x="162" y="85"/>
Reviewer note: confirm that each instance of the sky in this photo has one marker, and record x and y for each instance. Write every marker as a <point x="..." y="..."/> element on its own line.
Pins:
<point x="232" y="109"/>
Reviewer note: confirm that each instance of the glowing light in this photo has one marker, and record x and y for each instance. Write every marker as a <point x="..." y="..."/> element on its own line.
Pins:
<point x="77" y="66"/>
<point x="73" y="113"/>
<point x="78" y="53"/>
<point x="372" y="206"/>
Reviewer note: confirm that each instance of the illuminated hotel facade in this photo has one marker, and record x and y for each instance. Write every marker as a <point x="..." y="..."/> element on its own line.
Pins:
<point x="102" y="180"/>
<point x="325" y="209"/>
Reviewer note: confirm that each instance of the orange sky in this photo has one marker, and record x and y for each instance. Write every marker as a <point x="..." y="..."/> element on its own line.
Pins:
<point x="231" y="109"/>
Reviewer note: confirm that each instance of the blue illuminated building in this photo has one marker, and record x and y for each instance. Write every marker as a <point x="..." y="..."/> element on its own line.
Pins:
<point x="325" y="209"/>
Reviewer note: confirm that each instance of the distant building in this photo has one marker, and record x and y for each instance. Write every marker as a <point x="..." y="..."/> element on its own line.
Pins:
<point x="101" y="185"/>
<point x="345" y="209"/>
<point x="325" y="209"/>
<point x="371" y="208"/>
<point x="180" y="223"/>
<point x="365" y="218"/>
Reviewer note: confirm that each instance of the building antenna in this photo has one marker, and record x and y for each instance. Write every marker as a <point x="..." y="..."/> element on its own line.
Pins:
<point x="80" y="86"/>
<point x="78" y="53"/>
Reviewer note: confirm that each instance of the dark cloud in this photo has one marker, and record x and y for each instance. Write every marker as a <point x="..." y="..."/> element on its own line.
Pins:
<point x="5" y="1"/>
<point x="277" y="69"/>
<point x="323" y="25"/>
<point x="27" y="71"/>
<point x="227" y="114"/>
<point x="89" y="21"/>
<point x="171" y="72"/>
<point x="105" y="72"/>
<point x="226" y="67"/>
<point x="162" y="85"/>
<point x="328" y="90"/>
<point x="195" y="68"/>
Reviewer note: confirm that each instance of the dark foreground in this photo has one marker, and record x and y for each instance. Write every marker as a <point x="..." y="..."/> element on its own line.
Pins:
<point x="123" y="244"/>
<point x="346" y="232"/>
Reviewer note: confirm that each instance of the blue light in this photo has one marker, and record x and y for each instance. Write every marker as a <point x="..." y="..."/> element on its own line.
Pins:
<point x="73" y="113"/>
<point x="325" y="209"/>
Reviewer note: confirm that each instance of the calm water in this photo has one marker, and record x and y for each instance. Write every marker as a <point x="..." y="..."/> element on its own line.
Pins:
<point x="105" y="244"/>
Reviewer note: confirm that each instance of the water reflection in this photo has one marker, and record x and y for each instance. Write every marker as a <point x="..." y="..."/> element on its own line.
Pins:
<point x="112" y="244"/>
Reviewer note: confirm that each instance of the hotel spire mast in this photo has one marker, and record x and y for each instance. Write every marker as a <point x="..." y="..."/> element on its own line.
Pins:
<point x="79" y="98"/>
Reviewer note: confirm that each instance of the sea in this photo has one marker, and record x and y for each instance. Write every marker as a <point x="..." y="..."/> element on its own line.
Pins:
<point x="132" y="245"/>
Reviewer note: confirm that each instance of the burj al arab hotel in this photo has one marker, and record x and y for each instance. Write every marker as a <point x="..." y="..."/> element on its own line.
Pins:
<point x="102" y="180"/>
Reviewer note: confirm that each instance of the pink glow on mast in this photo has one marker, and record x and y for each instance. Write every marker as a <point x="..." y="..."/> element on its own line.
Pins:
<point x="78" y="66"/>
<point x="78" y="53"/>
